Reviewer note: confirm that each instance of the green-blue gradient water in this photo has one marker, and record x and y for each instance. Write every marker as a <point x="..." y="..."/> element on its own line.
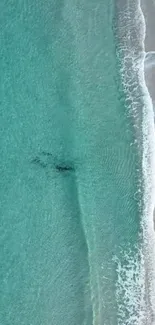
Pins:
<point x="70" y="169"/>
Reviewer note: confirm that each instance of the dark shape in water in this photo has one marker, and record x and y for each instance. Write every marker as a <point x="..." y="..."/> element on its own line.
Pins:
<point x="38" y="161"/>
<point x="44" y="160"/>
<point x="64" y="168"/>
<point x="59" y="167"/>
<point x="48" y="154"/>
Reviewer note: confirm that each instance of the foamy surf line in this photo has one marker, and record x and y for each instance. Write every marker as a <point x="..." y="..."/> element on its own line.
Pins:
<point x="148" y="168"/>
<point x="136" y="276"/>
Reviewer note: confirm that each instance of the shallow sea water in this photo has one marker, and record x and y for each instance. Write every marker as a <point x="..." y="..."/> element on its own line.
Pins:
<point x="69" y="169"/>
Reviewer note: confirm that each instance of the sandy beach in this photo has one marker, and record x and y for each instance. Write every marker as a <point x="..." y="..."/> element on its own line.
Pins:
<point x="148" y="7"/>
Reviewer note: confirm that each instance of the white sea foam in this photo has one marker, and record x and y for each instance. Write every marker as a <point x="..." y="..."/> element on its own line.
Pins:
<point x="130" y="287"/>
<point x="148" y="166"/>
<point x="136" y="276"/>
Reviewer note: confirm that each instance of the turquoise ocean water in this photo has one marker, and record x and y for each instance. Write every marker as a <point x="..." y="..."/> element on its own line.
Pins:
<point x="71" y="172"/>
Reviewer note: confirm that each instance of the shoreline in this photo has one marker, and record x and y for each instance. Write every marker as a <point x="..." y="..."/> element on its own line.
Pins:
<point x="148" y="9"/>
<point x="148" y="161"/>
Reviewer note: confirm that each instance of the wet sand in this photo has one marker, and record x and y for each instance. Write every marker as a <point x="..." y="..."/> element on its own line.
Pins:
<point x="148" y="7"/>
